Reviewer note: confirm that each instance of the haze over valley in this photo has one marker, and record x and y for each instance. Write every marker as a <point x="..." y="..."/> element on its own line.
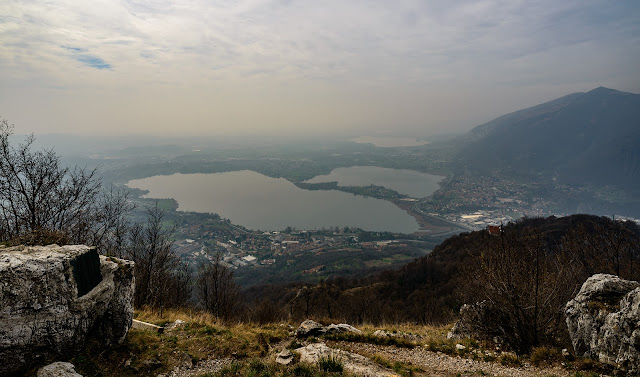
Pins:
<point x="455" y="184"/>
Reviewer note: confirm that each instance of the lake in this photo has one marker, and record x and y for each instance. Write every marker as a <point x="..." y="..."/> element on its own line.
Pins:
<point x="259" y="202"/>
<point x="409" y="182"/>
<point x="390" y="141"/>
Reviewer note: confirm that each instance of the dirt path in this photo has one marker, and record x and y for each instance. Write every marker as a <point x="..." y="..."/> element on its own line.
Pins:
<point x="440" y="365"/>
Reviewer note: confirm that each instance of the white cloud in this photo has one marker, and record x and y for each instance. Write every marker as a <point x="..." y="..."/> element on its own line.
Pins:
<point x="353" y="63"/>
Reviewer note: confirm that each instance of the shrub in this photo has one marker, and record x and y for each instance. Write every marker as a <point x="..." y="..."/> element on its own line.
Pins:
<point x="545" y="355"/>
<point x="331" y="363"/>
<point x="510" y="360"/>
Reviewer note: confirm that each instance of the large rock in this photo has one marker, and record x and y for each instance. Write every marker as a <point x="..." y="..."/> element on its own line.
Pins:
<point x="603" y="321"/>
<point x="52" y="299"/>
<point x="311" y="328"/>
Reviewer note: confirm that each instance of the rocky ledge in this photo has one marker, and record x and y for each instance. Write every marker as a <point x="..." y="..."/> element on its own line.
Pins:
<point x="54" y="298"/>
<point x="603" y="321"/>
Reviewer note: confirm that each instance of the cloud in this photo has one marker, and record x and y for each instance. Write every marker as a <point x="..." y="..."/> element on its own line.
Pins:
<point x="367" y="58"/>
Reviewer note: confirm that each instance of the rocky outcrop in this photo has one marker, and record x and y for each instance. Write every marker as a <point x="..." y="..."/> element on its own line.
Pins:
<point x="603" y="321"/>
<point x="52" y="299"/>
<point x="311" y="328"/>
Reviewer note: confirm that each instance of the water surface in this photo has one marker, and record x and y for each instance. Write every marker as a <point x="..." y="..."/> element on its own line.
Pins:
<point x="259" y="202"/>
<point x="409" y="182"/>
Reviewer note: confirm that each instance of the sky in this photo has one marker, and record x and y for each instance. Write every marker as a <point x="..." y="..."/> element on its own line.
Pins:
<point x="207" y="67"/>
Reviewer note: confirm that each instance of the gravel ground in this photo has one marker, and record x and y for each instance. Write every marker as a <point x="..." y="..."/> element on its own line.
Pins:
<point x="441" y="365"/>
<point x="205" y="366"/>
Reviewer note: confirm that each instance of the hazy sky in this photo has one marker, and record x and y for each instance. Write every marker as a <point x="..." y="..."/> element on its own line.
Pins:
<point x="268" y="66"/>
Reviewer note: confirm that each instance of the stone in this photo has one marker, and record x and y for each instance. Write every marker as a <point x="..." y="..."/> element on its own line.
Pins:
<point x="58" y="369"/>
<point x="285" y="357"/>
<point x="341" y="328"/>
<point x="397" y="334"/>
<point x="311" y="328"/>
<point x="603" y="321"/>
<point x="54" y="298"/>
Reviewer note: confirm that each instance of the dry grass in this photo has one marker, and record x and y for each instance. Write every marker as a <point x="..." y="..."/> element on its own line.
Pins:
<point x="163" y="317"/>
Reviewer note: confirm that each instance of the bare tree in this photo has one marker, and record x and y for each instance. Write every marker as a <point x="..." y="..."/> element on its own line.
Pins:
<point x="217" y="290"/>
<point x="151" y="247"/>
<point x="40" y="195"/>
<point x="527" y="283"/>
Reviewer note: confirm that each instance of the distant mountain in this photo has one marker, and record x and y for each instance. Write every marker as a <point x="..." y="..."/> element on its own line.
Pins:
<point x="581" y="138"/>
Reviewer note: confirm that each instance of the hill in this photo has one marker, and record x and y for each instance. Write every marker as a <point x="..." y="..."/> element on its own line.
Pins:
<point x="432" y="288"/>
<point x="588" y="138"/>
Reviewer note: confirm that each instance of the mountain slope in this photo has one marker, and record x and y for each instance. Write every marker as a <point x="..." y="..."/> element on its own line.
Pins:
<point x="581" y="138"/>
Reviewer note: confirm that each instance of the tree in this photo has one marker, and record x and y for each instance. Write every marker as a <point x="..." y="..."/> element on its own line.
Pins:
<point x="38" y="195"/>
<point x="151" y="247"/>
<point x="217" y="290"/>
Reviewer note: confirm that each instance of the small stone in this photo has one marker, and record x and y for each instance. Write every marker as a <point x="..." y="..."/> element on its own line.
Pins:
<point x="460" y="347"/>
<point x="285" y="357"/>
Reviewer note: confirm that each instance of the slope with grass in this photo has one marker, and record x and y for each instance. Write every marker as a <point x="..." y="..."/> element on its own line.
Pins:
<point x="200" y="345"/>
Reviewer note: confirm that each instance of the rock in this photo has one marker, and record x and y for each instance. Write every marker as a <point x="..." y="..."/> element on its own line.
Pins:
<point x="58" y="369"/>
<point x="399" y="335"/>
<point x="311" y="328"/>
<point x="177" y="324"/>
<point x="341" y="328"/>
<point x="460" y="347"/>
<point x="52" y="299"/>
<point x="285" y="357"/>
<point x="603" y="321"/>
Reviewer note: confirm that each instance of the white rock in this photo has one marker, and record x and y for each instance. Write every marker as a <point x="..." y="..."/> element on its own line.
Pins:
<point x="53" y="297"/>
<point x="58" y="369"/>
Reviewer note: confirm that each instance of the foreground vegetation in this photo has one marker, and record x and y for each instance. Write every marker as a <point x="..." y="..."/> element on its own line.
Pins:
<point x="243" y="349"/>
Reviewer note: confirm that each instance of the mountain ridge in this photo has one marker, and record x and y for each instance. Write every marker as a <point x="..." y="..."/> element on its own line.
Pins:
<point x="581" y="138"/>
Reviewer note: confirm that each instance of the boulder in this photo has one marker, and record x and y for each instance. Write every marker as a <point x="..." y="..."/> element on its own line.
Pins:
<point x="311" y="328"/>
<point x="340" y="328"/>
<point x="54" y="298"/>
<point x="603" y="321"/>
<point x="58" y="369"/>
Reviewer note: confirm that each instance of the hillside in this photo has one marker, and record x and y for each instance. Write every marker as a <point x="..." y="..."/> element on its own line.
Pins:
<point x="432" y="288"/>
<point x="582" y="138"/>
<point x="196" y="344"/>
